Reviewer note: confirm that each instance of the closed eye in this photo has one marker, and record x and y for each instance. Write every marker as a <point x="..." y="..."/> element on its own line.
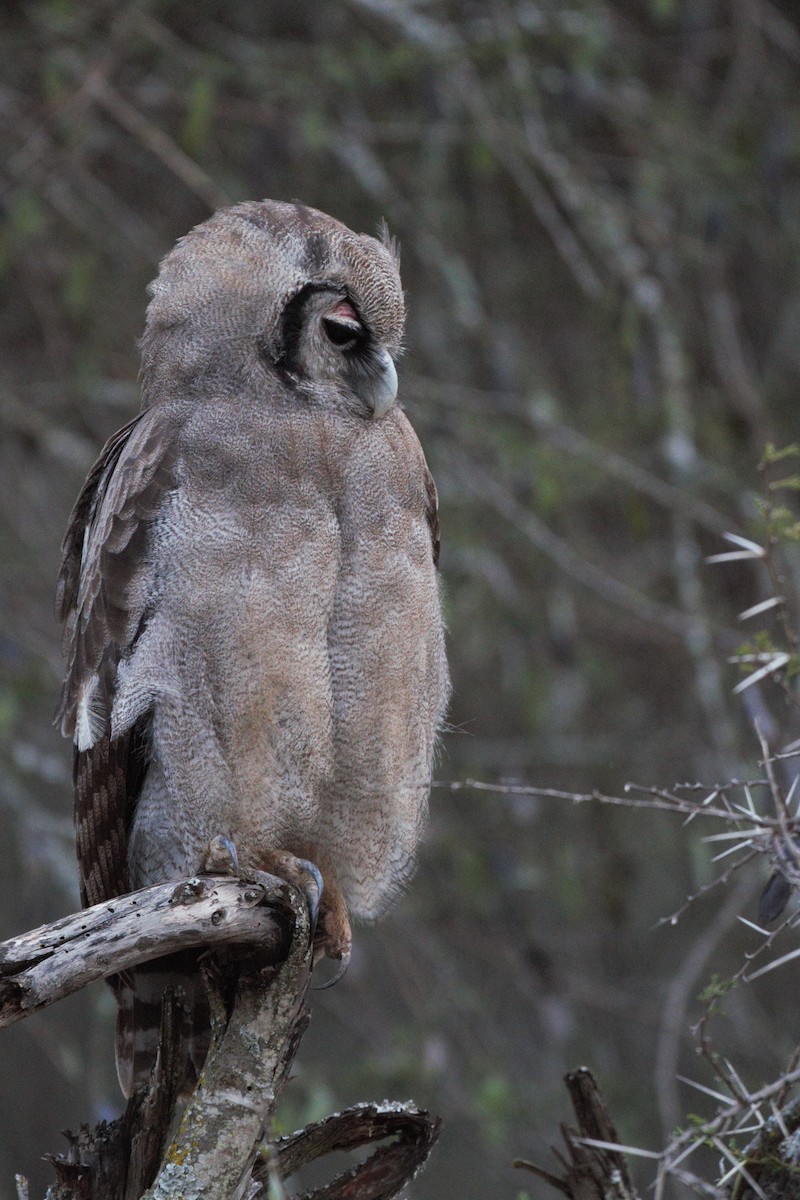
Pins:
<point x="342" y="325"/>
<point x="343" y="332"/>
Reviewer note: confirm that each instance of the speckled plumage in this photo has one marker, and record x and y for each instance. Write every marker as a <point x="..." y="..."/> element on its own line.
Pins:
<point x="252" y="622"/>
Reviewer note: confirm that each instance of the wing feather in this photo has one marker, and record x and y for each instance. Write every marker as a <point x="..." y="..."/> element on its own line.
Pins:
<point x="103" y="553"/>
<point x="432" y="513"/>
<point x="102" y="599"/>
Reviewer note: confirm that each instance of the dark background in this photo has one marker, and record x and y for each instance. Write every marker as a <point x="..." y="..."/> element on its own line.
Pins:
<point x="597" y="205"/>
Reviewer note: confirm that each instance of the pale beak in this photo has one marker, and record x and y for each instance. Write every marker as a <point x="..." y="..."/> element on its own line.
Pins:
<point x="380" y="392"/>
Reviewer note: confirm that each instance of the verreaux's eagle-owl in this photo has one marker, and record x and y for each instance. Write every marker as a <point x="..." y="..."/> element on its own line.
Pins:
<point x="249" y="590"/>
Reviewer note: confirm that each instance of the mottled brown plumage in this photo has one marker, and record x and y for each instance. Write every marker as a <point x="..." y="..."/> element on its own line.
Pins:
<point x="252" y="629"/>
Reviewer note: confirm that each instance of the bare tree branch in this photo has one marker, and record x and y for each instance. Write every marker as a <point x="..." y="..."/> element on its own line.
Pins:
<point x="384" y="1173"/>
<point x="593" y="1172"/>
<point x="214" y="1150"/>
<point x="215" y="1147"/>
<point x="55" y="960"/>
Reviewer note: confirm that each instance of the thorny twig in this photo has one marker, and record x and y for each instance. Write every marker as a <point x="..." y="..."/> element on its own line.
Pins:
<point x="759" y="821"/>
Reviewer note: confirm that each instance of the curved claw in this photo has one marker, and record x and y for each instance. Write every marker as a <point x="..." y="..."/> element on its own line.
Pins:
<point x="341" y="971"/>
<point x="312" y="889"/>
<point x="220" y="857"/>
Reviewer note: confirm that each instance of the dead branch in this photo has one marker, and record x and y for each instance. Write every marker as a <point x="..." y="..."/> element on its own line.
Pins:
<point x="379" y="1177"/>
<point x="55" y="960"/>
<point x="593" y="1172"/>
<point x="216" y="1147"/>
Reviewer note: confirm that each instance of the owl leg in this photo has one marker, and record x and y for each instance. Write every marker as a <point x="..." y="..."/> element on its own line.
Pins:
<point x="330" y="922"/>
<point x="334" y="937"/>
<point x="300" y="873"/>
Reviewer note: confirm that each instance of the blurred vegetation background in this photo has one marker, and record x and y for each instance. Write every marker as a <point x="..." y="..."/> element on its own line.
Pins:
<point x="597" y="205"/>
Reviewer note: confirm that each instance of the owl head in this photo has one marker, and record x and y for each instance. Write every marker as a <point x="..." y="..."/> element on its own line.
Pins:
<point x="278" y="288"/>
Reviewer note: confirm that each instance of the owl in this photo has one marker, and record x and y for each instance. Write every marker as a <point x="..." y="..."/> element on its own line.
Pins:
<point x="252" y="624"/>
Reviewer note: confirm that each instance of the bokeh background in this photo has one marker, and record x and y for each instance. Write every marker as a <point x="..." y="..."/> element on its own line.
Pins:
<point x="597" y="205"/>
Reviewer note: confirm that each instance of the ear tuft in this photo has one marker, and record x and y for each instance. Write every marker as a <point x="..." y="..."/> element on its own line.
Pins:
<point x="386" y="239"/>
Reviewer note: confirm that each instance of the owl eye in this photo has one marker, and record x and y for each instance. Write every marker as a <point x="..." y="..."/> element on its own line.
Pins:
<point x="342" y="326"/>
<point x="342" y="333"/>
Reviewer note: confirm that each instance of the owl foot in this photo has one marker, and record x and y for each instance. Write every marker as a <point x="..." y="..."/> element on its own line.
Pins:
<point x="333" y="938"/>
<point x="300" y="873"/>
<point x="330" y="924"/>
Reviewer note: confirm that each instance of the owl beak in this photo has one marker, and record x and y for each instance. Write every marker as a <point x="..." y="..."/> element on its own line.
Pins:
<point x="381" y="391"/>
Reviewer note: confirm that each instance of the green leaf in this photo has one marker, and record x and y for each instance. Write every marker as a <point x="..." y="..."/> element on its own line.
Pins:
<point x="199" y="115"/>
<point x="716" y="989"/>
<point x="773" y="455"/>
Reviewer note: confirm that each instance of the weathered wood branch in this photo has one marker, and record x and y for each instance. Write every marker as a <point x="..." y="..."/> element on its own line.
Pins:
<point x="591" y="1173"/>
<point x="379" y="1177"/>
<point x="217" y="1146"/>
<point x="55" y="960"/>
<point x="214" y="1150"/>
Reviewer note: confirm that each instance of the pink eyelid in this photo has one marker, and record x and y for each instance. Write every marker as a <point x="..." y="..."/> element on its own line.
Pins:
<point x="344" y="311"/>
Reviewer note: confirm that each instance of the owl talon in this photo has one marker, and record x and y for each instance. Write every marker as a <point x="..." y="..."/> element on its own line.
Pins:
<point x="300" y="873"/>
<point x="312" y="889"/>
<point x="341" y="971"/>
<point x="220" y="857"/>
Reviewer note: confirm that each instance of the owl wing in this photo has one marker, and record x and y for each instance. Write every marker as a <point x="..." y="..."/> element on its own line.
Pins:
<point x="432" y="513"/>
<point x="102" y="598"/>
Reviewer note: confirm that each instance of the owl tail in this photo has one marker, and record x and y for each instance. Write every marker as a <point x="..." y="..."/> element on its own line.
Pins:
<point x="139" y="994"/>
